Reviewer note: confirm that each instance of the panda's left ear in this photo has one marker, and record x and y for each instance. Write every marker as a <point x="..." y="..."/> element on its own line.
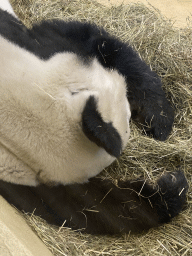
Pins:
<point x="103" y="134"/>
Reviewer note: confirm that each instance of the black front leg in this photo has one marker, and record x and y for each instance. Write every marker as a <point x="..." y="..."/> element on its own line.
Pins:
<point x="100" y="207"/>
<point x="149" y="105"/>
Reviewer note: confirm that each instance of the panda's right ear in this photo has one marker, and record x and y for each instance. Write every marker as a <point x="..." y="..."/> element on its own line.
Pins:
<point x="98" y="131"/>
<point x="105" y="48"/>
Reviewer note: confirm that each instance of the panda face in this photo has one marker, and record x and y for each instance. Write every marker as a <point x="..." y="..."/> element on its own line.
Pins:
<point x="64" y="119"/>
<point x="74" y="82"/>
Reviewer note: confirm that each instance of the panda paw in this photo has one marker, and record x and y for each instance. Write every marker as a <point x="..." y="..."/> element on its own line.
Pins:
<point x="154" y="115"/>
<point x="172" y="190"/>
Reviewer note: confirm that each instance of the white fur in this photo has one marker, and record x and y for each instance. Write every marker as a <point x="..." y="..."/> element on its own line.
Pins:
<point x="6" y="6"/>
<point x="41" y="119"/>
<point x="14" y="170"/>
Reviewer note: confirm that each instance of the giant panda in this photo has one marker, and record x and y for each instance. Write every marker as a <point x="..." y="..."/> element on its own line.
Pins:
<point x="65" y="116"/>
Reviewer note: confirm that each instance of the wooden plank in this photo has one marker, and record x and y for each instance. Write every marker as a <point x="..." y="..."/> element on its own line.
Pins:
<point x="16" y="237"/>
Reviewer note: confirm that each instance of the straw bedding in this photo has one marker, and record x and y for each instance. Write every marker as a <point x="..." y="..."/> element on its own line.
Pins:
<point x="169" y="52"/>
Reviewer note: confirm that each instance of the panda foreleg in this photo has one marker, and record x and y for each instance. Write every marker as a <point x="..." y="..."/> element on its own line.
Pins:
<point x="101" y="207"/>
<point x="149" y="106"/>
<point x="131" y="206"/>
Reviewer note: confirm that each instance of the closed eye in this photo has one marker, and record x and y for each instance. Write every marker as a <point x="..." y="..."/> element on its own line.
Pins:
<point x="75" y="92"/>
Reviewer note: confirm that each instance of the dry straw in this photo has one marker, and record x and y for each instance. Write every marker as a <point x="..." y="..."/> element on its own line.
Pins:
<point x="169" y="52"/>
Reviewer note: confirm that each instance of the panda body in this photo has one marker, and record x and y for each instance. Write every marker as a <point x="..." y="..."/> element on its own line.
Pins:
<point x="65" y="116"/>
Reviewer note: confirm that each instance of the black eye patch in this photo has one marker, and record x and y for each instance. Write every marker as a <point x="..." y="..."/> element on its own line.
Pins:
<point x="103" y="134"/>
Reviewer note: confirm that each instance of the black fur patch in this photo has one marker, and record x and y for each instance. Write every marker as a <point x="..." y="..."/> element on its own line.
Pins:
<point x="103" y="134"/>
<point x="173" y="186"/>
<point x="99" y="206"/>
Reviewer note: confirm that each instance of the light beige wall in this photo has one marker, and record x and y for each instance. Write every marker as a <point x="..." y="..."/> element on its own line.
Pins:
<point x="16" y="237"/>
<point x="177" y="10"/>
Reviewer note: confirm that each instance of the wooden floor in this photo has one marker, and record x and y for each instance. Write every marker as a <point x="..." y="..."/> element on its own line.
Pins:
<point x="16" y="237"/>
<point x="177" y="10"/>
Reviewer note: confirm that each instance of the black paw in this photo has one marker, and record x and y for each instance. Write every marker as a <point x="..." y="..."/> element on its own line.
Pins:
<point x="172" y="190"/>
<point x="153" y="113"/>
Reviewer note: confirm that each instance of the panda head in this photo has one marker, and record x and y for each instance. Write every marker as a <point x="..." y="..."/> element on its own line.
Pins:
<point x="89" y="120"/>
<point x="99" y="103"/>
<point x="82" y="111"/>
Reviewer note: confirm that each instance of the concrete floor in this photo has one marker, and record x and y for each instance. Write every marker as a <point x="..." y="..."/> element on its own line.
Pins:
<point x="177" y="10"/>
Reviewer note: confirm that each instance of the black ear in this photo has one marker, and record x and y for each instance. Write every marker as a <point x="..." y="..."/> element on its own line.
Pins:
<point x="106" y="49"/>
<point x="98" y="131"/>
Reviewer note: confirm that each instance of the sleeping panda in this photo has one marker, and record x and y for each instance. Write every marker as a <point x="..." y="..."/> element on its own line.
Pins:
<point x="65" y="116"/>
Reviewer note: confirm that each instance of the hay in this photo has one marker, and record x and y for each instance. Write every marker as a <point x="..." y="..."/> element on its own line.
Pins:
<point x="169" y="52"/>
